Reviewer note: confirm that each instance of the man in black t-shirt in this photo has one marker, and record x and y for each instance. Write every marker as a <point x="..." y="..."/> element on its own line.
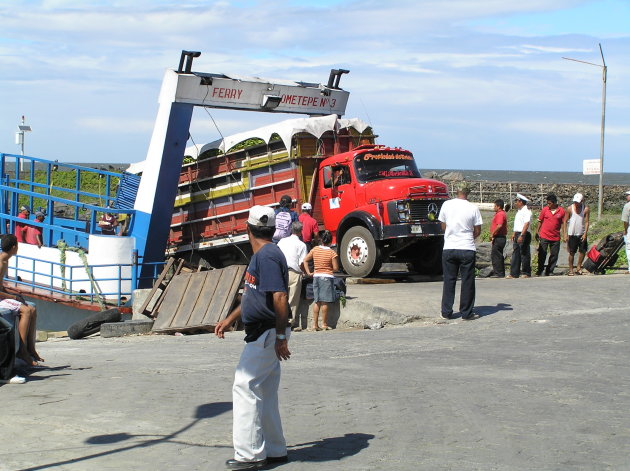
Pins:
<point x="257" y="429"/>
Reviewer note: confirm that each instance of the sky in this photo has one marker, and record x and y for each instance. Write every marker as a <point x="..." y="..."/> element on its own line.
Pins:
<point x="463" y="84"/>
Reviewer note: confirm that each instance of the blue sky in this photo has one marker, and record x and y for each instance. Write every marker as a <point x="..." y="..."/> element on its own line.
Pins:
<point x="469" y="84"/>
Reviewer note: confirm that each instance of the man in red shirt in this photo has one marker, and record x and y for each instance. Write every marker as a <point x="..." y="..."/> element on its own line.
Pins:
<point x="548" y="235"/>
<point x="20" y="227"/>
<point x="310" y="227"/>
<point x="34" y="233"/>
<point x="498" y="231"/>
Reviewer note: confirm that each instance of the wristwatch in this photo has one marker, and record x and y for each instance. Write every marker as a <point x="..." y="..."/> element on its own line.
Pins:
<point x="281" y="337"/>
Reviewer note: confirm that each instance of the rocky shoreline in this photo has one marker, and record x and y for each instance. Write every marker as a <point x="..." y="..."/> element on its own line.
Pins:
<point x="487" y="192"/>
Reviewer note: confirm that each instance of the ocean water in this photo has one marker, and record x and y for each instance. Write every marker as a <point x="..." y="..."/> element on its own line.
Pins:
<point x="536" y="177"/>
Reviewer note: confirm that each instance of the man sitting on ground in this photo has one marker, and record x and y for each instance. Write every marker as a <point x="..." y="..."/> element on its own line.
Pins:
<point x="16" y="303"/>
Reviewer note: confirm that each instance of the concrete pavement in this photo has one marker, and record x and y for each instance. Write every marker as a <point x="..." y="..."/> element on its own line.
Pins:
<point x="540" y="382"/>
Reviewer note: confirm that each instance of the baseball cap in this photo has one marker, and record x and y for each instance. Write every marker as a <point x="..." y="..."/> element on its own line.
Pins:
<point x="261" y="216"/>
<point x="627" y="192"/>
<point x="40" y="214"/>
<point x="285" y="200"/>
<point x="522" y="198"/>
<point x="306" y="206"/>
<point x="578" y="197"/>
<point x="24" y="208"/>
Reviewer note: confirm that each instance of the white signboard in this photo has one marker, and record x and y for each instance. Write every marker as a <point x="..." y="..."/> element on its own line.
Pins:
<point x="259" y="95"/>
<point x="590" y="167"/>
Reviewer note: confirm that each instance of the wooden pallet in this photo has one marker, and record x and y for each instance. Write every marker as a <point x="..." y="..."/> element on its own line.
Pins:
<point x="198" y="301"/>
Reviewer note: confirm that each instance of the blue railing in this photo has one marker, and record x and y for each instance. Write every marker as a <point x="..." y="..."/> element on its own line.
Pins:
<point x="19" y="271"/>
<point x="74" y="230"/>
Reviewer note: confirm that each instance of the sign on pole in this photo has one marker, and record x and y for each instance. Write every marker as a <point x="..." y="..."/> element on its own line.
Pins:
<point x="591" y="167"/>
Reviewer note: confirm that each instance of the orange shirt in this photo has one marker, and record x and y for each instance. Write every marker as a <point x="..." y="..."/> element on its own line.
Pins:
<point x="322" y="258"/>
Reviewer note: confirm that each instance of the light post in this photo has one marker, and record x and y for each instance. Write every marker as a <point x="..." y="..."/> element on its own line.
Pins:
<point x="600" y="205"/>
<point x="19" y="139"/>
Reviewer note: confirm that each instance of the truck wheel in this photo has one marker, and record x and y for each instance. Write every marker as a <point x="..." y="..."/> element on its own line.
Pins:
<point x="358" y="252"/>
<point x="430" y="262"/>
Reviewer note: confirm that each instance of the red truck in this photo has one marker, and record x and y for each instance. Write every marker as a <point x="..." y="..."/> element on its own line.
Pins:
<point x="371" y="197"/>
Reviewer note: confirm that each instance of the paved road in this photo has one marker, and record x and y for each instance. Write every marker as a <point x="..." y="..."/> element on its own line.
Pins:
<point x="541" y="383"/>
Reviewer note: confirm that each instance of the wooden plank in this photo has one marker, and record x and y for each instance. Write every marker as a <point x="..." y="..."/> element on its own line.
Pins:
<point x="224" y="295"/>
<point x="197" y="301"/>
<point x="205" y="295"/>
<point x="173" y="296"/>
<point x="189" y="300"/>
<point x="156" y="285"/>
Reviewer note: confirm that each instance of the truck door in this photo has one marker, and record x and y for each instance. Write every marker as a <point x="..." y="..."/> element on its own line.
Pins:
<point x="336" y="193"/>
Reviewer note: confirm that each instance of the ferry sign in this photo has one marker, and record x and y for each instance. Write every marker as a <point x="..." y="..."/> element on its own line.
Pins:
<point x="591" y="167"/>
<point x="254" y="94"/>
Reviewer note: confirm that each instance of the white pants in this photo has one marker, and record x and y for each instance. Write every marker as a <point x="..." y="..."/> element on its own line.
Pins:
<point x="295" y="290"/>
<point x="257" y="429"/>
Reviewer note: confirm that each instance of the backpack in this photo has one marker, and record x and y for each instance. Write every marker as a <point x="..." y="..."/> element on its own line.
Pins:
<point x="283" y="225"/>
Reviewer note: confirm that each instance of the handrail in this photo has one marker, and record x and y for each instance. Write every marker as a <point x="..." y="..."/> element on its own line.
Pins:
<point x="60" y="164"/>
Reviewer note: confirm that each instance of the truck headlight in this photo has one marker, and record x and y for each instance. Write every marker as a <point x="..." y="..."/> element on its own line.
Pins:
<point x="403" y="211"/>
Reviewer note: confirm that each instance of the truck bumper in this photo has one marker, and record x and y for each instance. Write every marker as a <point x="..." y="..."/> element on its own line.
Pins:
<point x="425" y="229"/>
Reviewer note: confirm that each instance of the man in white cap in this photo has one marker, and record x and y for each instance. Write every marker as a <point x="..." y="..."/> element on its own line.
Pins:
<point x="520" y="264"/>
<point x="625" y="217"/>
<point x="264" y="310"/>
<point x="310" y="226"/>
<point x="575" y="231"/>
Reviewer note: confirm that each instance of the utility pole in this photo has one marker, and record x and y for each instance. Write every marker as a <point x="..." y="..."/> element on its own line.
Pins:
<point x="600" y="205"/>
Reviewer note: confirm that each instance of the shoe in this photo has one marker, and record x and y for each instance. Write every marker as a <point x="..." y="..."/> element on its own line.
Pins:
<point x="277" y="459"/>
<point x="14" y="380"/>
<point x="297" y="329"/>
<point x="525" y="276"/>
<point x="236" y="464"/>
<point x="472" y="317"/>
<point x="445" y="316"/>
<point x="326" y="327"/>
<point x="509" y="277"/>
<point x="315" y="329"/>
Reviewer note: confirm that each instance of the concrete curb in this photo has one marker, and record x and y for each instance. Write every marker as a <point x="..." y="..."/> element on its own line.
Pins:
<point x="120" y="329"/>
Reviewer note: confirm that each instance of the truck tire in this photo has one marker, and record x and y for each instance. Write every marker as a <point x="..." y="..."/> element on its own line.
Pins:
<point x="92" y="324"/>
<point x="359" y="254"/>
<point x="430" y="262"/>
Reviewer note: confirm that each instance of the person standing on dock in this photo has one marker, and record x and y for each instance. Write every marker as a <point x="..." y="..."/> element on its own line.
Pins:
<point x="20" y="227"/>
<point x="34" y="233"/>
<point x="294" y="251"/>
<point x="575" y="230"/>
<point x="548" y="235"/>
<point x="264" y="310"/>
<point x="498" y="234"/>
<point x="461" y="223"/>
<point x="625" y="217"/>
<point x="521" y="262"/>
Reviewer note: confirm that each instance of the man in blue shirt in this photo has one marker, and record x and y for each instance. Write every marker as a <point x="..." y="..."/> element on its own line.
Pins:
<point x="264" y="310"/>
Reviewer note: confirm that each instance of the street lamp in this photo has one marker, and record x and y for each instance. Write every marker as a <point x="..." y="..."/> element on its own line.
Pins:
<point x="19" y="139"/>
<point x="600" y="206"/>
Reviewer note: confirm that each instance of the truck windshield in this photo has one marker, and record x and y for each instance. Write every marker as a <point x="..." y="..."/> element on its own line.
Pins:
<point x="379" y="165"/>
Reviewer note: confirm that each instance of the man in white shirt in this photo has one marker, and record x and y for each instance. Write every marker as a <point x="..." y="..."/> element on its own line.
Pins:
<point x="521" y="263"/>
<point x="625" y="218"/>
<point x="294" y="251"/>
<point x="461" y="222"/>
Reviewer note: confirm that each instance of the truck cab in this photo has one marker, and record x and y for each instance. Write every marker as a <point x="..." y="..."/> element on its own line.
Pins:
<point x="379" y="209"/>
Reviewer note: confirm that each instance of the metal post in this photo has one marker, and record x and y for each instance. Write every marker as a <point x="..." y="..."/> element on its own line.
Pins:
<point x="600" y="206"/>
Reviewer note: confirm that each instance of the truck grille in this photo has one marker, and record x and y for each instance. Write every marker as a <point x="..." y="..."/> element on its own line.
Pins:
<point x="420" y="210"/>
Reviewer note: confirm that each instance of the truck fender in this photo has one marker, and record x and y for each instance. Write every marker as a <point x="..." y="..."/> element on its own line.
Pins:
<point x="359" y="218"/>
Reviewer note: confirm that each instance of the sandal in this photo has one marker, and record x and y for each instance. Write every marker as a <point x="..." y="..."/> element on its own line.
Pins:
<point x="578" y="272"/>
<point x="325" y="327"/>
<point x="570" y="273"/>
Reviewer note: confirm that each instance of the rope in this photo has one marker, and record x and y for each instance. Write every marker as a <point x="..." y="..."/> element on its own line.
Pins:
<point x="63" y="247"/>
